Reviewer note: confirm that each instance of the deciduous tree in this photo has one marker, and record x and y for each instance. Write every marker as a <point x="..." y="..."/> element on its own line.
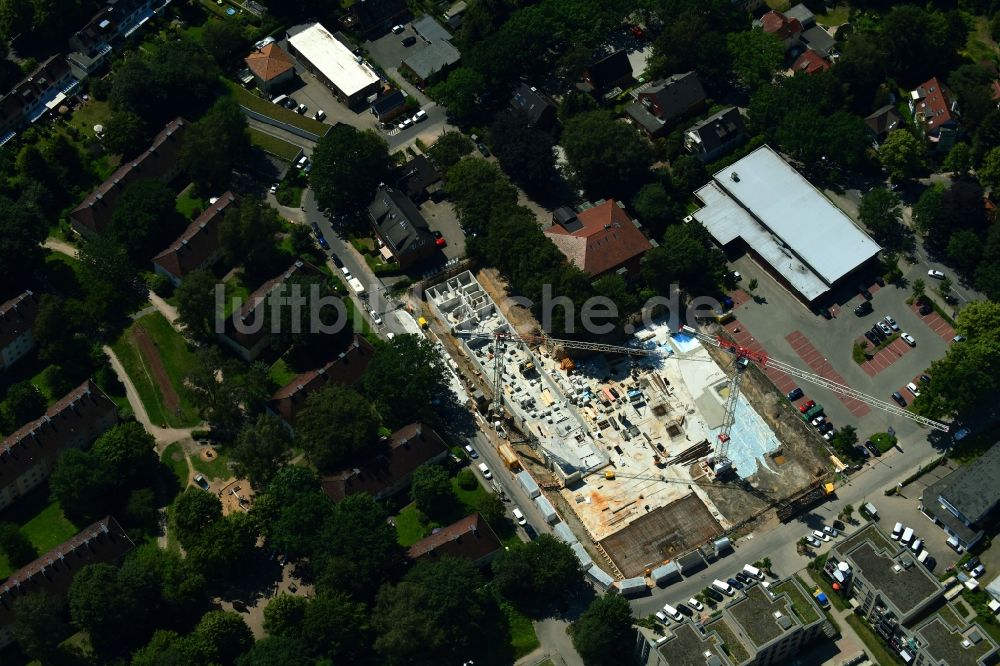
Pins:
<point x="604" y="631"/>
<point x="416" y="359"/>
<point x="460" y="92"/>
<point x="16" y="546"/>
<point x="227" y="633"/>
<point x="195" y="299"/>
<point x="755" y="56"/>
<point x="194" y="512"/>
<point x="260" y="450"/>
<point x="24" y="403"/>
<point x="430" y="488"/>
<point x="38" y="624"/>
<point x="902" y="155"/>
<point x="526" y="153"/>
<point x="607" y="157"/>
<point x="881" y="211"/>
<point x="85" y="485"/>
<point x="335" y="424"/>
<point x="348" y="166"/>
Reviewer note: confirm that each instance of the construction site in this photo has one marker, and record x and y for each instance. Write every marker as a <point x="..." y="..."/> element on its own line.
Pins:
<point x="629" y="434"/>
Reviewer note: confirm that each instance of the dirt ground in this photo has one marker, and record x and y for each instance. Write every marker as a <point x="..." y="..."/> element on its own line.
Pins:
<point x="519" y="316"/>
<point x="800" y="460"/>
<point x="149" y="352"/>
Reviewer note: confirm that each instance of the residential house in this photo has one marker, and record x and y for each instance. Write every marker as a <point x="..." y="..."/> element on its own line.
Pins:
<point x="158" y="162"/>
<point x="786" y="29"/>
<point x="810" y="62"/>
<point x="715" y="136"/>
<point x="406" y="238"/>
<point x="17" y="318"/>
<point x="29" y="454"/>
<point x="760" y="626"/>
<point x="935" y="113"/>
<point x="375" y="17"/>
<point x="389" y="471"/>
<point x="964" y="501"/>
<point x="904" y="603"/>
<point x="116" y="21"/>
<point x="599" y="240"/>
<point x="418" y="179"/>
<point x="883" y="121"/>
<point x="797" y="29"/>
<point x="37" y="95"/>
<point x="245" y="331"/>
<point x="53" y="572"/>
<point x="345" y="370"/>
<point x="470" y="538"/>
<point x="271" y="66"/>
<point x="660" y="104"/>
<point x="433" y="56"/>
<point x="607" y="72"/>
<point x="537" y="108"/>
<point x="389" y="106"/>
<point x="199" y="246"/>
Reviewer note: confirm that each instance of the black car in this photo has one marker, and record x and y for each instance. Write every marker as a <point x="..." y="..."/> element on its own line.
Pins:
<point x="735" y="583"/>
<point x="898" y="397"/>
<point x="874" y="449"/>
<point x="336" y="260"/>
<point x="825" y="427"/>
<point x="291" y="103"/>
<point x="926" y="309"/>
<point x="743" y="578"/>
<point x="877" y="332"/>
<point x="871" y="338"/>
<point x="971" y="564"/>
<point x="410" y="40"/>
<point x="864" y="308"/>
<point x="863" y="290"/>
<point x="925" y="379"/>
<point x="684" y="610"/>
<point x="714" y="593"/>
<point x="483" y="149"/>
<point x="795" y="394"/>
<point x="862" y="451"/>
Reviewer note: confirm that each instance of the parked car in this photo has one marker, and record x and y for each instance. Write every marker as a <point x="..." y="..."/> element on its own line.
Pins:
<point x="336" y="260"/>
<point x="958" y="338"/>
<point x="813" y="541"/>
<point x="872" y="338"/>
<point x="323" y="244"/>
<point x="877" y="332"/>
<point x="978" y="571"/>
<point x="419" y="116"/>
<point x="291" y="103"/>
<point x="825" y="427"/>
<point x="862" y="451"/>
<point x="405" y="124"/>
<point x="319" y="115"/>
<point x="519" y="517"/>
<point x="898" y="397"/>
<point x="202" y="483"/>
<point x="912" y="388"/>
<point x="818" y="420"/>
<point x="398" y="28"/>
<point x="885" y="328"/>
<point x="806" y="406"/>
<point x="376" y="317"/>
<point x="829" y="434"/>
<point x="831" y="531"/>
<point x="409" y="40"/>
<point x="908" y="339"/>
<point x="874" y="449"/>
<point x="483" y="149"/>
<point x="695" y="604"/>
<point x="863" y="308"/>
<point x="863" y="290"/>
<point x="735" y="583"/>
<point x="471" y="451"/>
<point x="795" y="394"/>
<point x="971" y="564"/>
<point x="743" y="578"/>
<point x="301" y="109"/>
<point x="892" y="323"/>
<point x="925" y="379"/>
<point x="821" y="535"/>
<point x="925" y="309"/>
<point x="937" y="275"/>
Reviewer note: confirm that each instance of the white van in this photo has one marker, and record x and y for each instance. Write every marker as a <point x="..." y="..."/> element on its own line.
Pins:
<point x="661" y="617"/>
<point x="723" y="587"/>
<point x="673" y="613"/>
<point x="753" y="572"/>
<point x="303" y="161"/>
<point x="922" y="557"/>
<point x="519" y="517"/>
<point x="954" y="544"/>
<point x="356" y="285"/>
<point x="907" y="536"/>
<point x="485" y="470"/>
<point x="695" y="604"/>
<point x="897" y="530"/>
<point x="280" y="99"/>
<point x="916" y="545"/>
<point x="319" y="115"/>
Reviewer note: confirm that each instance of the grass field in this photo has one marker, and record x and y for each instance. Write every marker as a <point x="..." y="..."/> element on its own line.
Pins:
<point x="522" y="633"/>
<point x="280" y="373"/>
<point x="273" y="145"/>
<point x="178" y="360"/>
<point x="218" y="468"/>
<point x="979" y="46"/>
<point x="188" y="204"/>
<point x="836" y="16"/>
<point x="41" y="520"/>
<point x="173" y="457"/>
<point x="876" y="648"/>
<point x="263" y="106"/>
<point x="411" y="525"/>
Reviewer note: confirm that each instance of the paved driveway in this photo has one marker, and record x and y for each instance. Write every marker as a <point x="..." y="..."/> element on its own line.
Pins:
<point x="441" y="217"/>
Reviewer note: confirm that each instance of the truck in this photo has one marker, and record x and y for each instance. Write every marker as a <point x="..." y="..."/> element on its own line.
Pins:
<point x="813" y="412"/>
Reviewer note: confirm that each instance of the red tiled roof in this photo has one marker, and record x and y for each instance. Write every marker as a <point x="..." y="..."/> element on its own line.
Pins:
<point x="17" y="316"/>
<point x="270" y="62"/>
<point x="157" y="162"/>
<point x="345" y="370"/>
<point x="470" y="538"/>
<point x="199" y="242"/>
<point x="779" y="25"/>
<point x="995" y="87"/>
<point x="933" y="104"/>
<point x="606" y="240"/>
<point x="52" y="573"/>
<point x="84" y="410"/>
<point x="810" y="62"/>
<point x="409" y="447"/>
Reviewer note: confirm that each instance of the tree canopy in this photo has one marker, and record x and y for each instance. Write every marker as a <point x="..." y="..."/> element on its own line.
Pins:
<point x="607" y="157"/>
<point x="348" y="166"/>
<point x="755" y="56"/>
<point x="881" y="211"/>
<point x="536" y="573"/>
<point x="260" y="450"/>
<point x="415" y="358"/>
<point x="604" y="631"/>
<point x="525" y="152"/>
<point x="335" y="424"/>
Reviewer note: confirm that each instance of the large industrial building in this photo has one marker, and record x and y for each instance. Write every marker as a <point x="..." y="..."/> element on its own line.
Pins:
<point x="347" y="75"/>
<point x="787" y="225"/>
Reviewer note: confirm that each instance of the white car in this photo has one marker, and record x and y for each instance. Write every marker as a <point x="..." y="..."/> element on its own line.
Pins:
<point x="892" y="323"/>
<point x="829" y="434"/>
<point x="695" y="604"/>
<point x="419" y="116"/>
<point x="398" y="28"/>
<point x="821" y="536"/>
<point x="376" y="317"/>
<point x="819" y="420"/>
<point x="936" y="274"/>
<point x="832" y="531"/>
<point x="407" y="122"/>
<point x="346" y="271"/>
<point x="908" y="339"/>
<point x="274" y="189"/>
<point x="519" y="517"/>
<point x="912" y="388"/>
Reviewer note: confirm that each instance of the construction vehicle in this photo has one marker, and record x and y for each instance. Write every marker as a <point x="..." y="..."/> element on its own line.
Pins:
<point x="720" y="461"/>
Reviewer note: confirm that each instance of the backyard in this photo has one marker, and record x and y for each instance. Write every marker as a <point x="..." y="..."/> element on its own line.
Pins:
<point x="188" y="204"/>
<point x="41" y="519"/>
<point x="158" y="359"/>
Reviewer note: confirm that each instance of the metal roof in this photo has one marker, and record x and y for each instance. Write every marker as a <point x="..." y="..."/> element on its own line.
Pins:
<point x="786" y="220"/>
<point x="334" y="60"/>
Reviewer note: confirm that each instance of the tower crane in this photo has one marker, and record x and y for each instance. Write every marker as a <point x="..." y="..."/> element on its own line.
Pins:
<point x="721" y="462"/>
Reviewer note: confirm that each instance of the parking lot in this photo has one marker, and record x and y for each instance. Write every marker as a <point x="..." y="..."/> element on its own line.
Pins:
<point x="308" y="90"/>
<point x="441" y="217"/>
<point x="786" y="329"/>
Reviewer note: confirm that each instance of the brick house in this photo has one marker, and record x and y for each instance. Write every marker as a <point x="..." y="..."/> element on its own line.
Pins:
<point x="599" y="240"/>
<point x="17" y="317"/>
<point x="198" y="247"/>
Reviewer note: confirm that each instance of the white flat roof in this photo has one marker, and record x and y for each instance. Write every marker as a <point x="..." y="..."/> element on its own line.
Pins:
<point x="803" y="221"/>
<point x="333" y="59"/>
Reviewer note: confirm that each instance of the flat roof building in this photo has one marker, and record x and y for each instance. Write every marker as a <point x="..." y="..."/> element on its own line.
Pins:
<point x="347" y="75"/>
<point x="962" y="501"/>
<point x="787" y="225"/>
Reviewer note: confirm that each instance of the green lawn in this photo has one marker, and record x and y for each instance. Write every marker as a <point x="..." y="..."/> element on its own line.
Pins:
<point x="412" y="525"/>
<point x="800" y="604"/>
<point x="836" y="16"/>
<point x="522" y="633"/>
<point x="234" y="289"/>
<point x="218" y="468"/>
<point x="273" y="145"/>
<point x="280" y="373"/>
<point x="93" y="112"/>
<point x="979" y="46"/>
<point x="41" y="520"/>
<point x="260" y="105"/>
<point x="178" y="360"/>
<point x="876" y="648"/>
<point x="63" y="273"/>
<point x="188" y="204"/>
<point x="883" y="441"/>
<point x="173" y="457"/>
